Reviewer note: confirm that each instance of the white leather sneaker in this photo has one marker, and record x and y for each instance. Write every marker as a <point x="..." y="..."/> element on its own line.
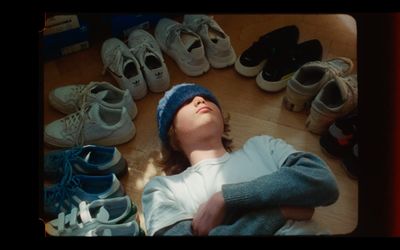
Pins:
<point x="219" y="50"/>
<point x="93" y="124"/>
<point x="183" y="45"/>
<point x="68" y="99"/>
<point x="123" y="66"/>
<point x="148" y="53"/>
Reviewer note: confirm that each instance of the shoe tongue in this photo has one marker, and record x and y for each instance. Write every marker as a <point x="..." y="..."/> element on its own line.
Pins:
<point x="87" y="157"/>
<point x="220" y="42"/>
<point x="94" y="112"/>
<point x="190" y="42"/>
<point x="101" y="94"/>
<point x="342" y="87"/>
<point x="126" y="62"/>
<point x="197" y="52"/>
<point x="103" y="215"/>
<point x="147" y="54"/>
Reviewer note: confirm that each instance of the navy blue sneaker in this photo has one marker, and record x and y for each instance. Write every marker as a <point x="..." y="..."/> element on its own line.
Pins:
<point x="87" y="160"/>
<point x="73" y="189"/>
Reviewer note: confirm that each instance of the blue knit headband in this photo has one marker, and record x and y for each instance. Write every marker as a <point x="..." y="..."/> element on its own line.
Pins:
<point x="172" y="102"/>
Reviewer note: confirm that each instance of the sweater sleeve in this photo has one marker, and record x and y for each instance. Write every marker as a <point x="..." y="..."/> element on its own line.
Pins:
<point x="257" y="222"/>
<point x="264" y="221"/>
<point x="181" y="228"/>
<point x="303" y="180"/>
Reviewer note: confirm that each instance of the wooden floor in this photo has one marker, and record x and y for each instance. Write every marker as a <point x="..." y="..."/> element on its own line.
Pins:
<point x="252" y="110"/>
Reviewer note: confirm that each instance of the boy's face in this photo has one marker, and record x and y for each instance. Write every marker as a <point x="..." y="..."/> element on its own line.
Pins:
<point x="198" y="117"/>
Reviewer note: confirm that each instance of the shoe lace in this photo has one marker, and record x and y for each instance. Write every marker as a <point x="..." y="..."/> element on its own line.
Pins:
<point x="80" y="94"/>
<point x="116" y="59"/>
<point x="204" y="20"/>
<point x="174" y="32"/>
<point x="75" y="122"/>
<point x="63" y="191"/>
<point x="62" y="163"/>
<point x="141" y="49"/>
<point x="333" y="68"/>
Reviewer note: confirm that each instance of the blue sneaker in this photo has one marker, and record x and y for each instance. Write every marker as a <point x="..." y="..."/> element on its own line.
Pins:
<point x="87" y="160"/>
<point x="103" y="217"/>
<point x="73" y="189"/>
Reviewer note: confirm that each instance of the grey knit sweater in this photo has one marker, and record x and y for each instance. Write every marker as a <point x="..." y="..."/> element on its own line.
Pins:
<point x="253" y="206"/>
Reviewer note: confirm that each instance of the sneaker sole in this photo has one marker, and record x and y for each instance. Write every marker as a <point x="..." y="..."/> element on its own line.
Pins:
<point x="272" y="86"/>
<point x="295" y="101"/>
<point x="222" y="62"/>
<point x="103" y="142"/>
<point x="317" y="123"/>
<point x="249" y="71"/>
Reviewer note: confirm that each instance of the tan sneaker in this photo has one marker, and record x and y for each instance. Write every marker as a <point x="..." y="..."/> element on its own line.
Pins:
<point x="337" y="98"/>
<point x="310" y="78"/>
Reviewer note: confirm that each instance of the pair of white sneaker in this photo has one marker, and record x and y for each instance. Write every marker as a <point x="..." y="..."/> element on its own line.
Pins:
<point x="99" y="114"/>
<point x="195" y="44"/>
<point x="328" y="87"/>
<point x="134" y="66"/>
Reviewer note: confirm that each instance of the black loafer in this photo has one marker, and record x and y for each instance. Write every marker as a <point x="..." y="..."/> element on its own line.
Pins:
<point x="253" y="58"/>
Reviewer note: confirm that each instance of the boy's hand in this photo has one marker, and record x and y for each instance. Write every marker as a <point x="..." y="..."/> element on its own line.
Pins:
<point x="209" y="215"/>
<point x="297" y="213"/>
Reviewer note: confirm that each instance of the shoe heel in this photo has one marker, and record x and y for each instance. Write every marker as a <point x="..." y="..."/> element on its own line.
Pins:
<point x="294" y="101"/>
<point x="317" y="123"/>
<point x="293" y="106"/>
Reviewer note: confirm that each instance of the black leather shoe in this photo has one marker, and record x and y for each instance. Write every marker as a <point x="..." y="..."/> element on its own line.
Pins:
<point x="253" y="58"/>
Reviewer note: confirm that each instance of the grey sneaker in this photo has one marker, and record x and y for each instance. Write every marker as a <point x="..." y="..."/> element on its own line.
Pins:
<point x="219" y="50"/>
<point x="146" y="50"/>
<point x="123" y="66"/>
<point x="183" y="45"/>
<point x="69" y="99"/>
<point x="93" y="124"/>
<point x="337" y="98"/>
<point x="102" y="217"/>
<point x="307" y="81"/>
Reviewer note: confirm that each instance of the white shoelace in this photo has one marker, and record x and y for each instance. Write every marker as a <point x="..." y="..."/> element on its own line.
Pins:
<point x="207" y="20"/>
<point x="142" y="48"/>
<point x="74" y="123"/>
<point x="116" y="60"/>
<point x="174" y="32"/>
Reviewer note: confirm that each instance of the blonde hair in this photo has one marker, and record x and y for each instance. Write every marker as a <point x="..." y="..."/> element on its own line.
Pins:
<point x="173" y="160"/>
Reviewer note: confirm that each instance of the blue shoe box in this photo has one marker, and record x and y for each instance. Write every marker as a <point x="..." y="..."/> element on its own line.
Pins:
<point x="65" y="42"/>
